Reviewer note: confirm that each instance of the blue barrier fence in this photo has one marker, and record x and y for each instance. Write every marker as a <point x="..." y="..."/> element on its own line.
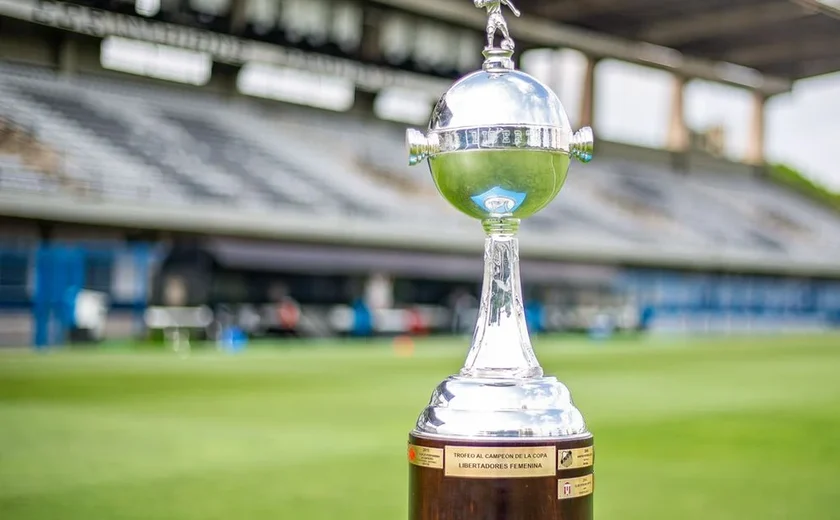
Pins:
<point x="44" y="280"/>
<point x="41" y="282"/>
<point x="674" y="300"/>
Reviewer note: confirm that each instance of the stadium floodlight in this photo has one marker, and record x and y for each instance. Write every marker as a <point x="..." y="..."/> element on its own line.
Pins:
<point x="147" y="7"/>
<point x="402" y="105"/>
<point x="296" y="86"/>
<point x="500" y="439"/>
<point x="155" y="60"/>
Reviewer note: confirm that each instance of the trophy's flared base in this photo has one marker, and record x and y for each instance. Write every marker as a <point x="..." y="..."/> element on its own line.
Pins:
<point x="490" y="479"/>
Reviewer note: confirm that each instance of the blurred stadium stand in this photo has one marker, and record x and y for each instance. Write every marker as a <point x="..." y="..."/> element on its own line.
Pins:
<point x="251" y="204"/>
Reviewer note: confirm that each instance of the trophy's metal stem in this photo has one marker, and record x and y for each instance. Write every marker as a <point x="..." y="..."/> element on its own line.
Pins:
<point x="501" y="346"/>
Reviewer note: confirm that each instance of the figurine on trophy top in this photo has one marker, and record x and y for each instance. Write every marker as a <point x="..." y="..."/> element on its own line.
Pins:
<point x="496" y="22"/>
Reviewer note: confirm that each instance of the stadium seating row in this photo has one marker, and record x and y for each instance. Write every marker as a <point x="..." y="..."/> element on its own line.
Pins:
<point x="124" y="140"/>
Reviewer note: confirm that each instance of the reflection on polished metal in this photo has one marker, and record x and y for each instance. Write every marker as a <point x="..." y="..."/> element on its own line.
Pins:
<point x="498" y="147"/>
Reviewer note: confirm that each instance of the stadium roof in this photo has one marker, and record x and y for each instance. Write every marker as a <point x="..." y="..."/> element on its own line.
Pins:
<point x="790" y="38"/>
<point x="769" y="42"/>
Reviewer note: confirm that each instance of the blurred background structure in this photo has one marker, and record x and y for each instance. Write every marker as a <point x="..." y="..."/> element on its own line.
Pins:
<point x="229" y="170"/>
<point x="206" y="166"/>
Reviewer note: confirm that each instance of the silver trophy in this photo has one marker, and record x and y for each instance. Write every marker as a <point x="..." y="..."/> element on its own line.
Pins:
<point x="499" y="146"/>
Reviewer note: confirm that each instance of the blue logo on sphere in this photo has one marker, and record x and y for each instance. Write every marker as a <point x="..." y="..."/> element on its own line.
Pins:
<point x="499" y="201"/>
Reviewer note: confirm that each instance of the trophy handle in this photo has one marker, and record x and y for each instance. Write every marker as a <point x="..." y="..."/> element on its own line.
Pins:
<point x="420" y="147"/>
<point x="582" y="144"/>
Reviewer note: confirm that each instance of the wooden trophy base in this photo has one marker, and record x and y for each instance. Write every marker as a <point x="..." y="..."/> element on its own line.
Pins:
<point x="492" y="480"/>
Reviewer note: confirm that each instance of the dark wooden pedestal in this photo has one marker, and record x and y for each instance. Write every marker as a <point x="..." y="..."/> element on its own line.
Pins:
<point x="483" y="480"/>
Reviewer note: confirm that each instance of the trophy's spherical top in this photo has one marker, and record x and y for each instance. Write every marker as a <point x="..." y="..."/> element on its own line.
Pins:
<point x="499" y="143"/>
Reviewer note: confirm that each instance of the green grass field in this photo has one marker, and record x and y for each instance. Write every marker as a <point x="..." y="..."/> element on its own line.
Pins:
<point x="707" y="429"/>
